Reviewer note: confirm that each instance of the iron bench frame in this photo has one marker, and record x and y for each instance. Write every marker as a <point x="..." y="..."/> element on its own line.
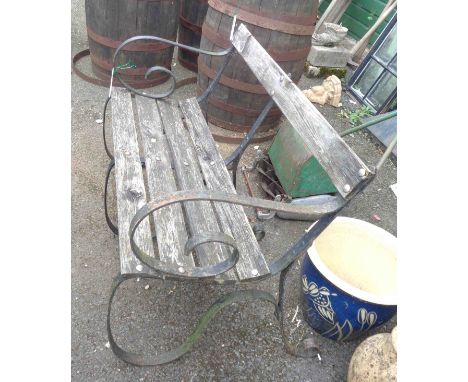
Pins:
<point x="324" y="213"/>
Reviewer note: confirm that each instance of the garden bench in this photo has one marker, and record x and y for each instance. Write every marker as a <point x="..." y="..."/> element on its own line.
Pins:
<point x="201" y="229"/>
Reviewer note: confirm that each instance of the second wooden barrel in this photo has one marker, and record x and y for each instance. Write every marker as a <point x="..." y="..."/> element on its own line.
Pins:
<point x="111" y="22"/>
<point x="283" y="27"/>
<point x="191" y="17"/>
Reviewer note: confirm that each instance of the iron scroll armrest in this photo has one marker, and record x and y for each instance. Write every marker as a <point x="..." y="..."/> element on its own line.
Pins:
<point x="325" y="214"/>
<point x="153" y="69"/>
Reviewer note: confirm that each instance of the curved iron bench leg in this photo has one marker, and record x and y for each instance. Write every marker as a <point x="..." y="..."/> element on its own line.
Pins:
<point x="111" y="225"/>
<point x="166" y="357"/>
<point x="293" y="349"/>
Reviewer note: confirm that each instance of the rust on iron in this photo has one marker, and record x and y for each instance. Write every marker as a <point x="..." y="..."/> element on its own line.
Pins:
<point x="186" y="63"/>
<point x="226" y="138"/>
<point x="187" y="24"/>
<point x="79" y="73"/>
<point x="237" y="127"/>
<point x="105" y="80"/>
<point x="104" y="64"/>
<point x="237" y="109"/>
<point x="232" y="83"/>
<point x="277" y="54"/>
<point x="137" y="47"/>
<point x="103" y="77"/>
<point x="297" y="25"/>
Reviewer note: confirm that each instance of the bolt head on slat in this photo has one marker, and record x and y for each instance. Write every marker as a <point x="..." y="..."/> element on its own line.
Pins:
<point x="362" y="173"/>
<point x="347" y="188"/>
<point x="254" y="272"/>
<point x="181" y="270"/>
<point x="139" y="267"/>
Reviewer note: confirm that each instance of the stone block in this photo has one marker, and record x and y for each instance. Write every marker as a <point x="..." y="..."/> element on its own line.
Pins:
<point x="336" y="56"/>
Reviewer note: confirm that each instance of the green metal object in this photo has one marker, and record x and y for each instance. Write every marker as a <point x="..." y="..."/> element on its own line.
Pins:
<point x="296" y="168"/>
<point x="298" y="171"/>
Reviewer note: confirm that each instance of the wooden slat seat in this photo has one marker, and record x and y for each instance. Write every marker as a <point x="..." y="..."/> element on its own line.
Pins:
<point x="179" y="154"/>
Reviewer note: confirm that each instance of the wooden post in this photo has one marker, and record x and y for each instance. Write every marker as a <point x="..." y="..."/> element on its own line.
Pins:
<point x="333" y="13"/>
<point x="360" y="47"/>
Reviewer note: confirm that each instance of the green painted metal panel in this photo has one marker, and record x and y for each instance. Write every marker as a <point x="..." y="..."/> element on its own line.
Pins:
<point x="313" y="180"/>
<point x="360" y="16"/>
<point x="298" y="171"/>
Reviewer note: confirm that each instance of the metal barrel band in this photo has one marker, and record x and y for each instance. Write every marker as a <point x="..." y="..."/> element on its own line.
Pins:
<point x="237" y="127"/>
<point x="275" y="111"/>
<point x="278" y="55"/>
<point x="186" y="63"/>
<point x="189" y="54"/>
<point x="141" y="71"/>
<point x="96" y="81"/>
<point x="230" y="82"/>
<point x="159" y="68"/>
<point x="233" y="137"/>
<point x="237" y="154"/>
<point x="189" y="25"/>
<point x="305" y="19"/>
<point x="285" y="24"/>
<point x="186" y="346"/>
<point x="103" y="78"/>
<point x="137" y="81"/>
<point x="136" y="47"/>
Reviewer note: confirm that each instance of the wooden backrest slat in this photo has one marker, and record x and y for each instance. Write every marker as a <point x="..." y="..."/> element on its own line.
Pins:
<point x="343" y="166"/>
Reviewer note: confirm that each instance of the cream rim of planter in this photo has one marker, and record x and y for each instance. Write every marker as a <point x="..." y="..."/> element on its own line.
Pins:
<point x="359" y="258"/>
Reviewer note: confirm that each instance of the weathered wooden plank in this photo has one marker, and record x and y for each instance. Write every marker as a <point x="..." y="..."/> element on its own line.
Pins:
<point x="233" y="219"/>
<point x="200" y="216"/>
<point x="131" y="193"/>
<point x="333" y="13"/>
<point x="169" y="221"/>
<point x="342" y="165"/>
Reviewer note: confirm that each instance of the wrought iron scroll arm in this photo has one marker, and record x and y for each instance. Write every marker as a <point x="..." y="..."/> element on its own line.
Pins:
<point x="323" y="213"/>
<point x="157" y="68"/>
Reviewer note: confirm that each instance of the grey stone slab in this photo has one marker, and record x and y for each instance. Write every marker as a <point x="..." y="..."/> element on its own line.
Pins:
<point x="335" y="57"/>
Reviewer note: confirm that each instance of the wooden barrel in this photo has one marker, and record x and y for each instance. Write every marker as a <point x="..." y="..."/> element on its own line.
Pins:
<point x="191" y="17"/>
<point x="283" y="27"/>
<point x="111" y="22"/>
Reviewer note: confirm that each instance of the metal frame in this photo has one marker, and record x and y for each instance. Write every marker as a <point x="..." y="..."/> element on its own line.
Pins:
<point x="324" y="213"/>
<point x="386" y="68"/>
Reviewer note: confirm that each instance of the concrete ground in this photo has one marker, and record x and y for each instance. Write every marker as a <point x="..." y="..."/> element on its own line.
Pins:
<point x="243" y="342"/>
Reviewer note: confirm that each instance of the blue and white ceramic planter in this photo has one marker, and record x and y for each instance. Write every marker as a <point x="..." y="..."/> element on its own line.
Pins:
<point x="349" y="279"/>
